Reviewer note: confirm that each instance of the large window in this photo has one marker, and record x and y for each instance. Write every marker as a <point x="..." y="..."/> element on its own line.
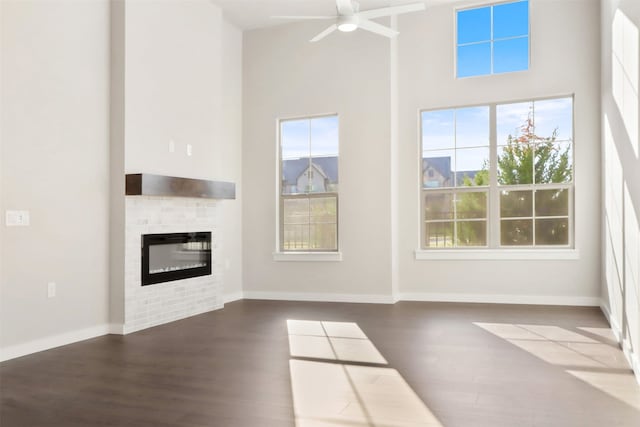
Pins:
<point x="309" y="184"/>
<point x="498" y="175"/>
<point x="492" y="39"/>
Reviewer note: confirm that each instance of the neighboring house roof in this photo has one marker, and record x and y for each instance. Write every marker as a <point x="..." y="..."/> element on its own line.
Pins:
<point x="293" y="168"/>
<point x="441" y="164"/>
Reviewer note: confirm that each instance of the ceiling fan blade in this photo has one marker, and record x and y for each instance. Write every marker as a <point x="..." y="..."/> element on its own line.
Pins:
<point x="393" y="10"/>
<point x="302" y="17"/>
<point x="325" y="33"/>
<point x="345" y="7"/>
<point x="377" y="28"/>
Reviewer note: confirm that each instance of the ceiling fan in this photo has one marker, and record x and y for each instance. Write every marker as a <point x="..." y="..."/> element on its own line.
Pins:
<point x="350" y="18"/>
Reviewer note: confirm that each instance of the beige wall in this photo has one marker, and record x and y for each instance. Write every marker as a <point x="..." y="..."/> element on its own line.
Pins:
<point x="621" y="178"/>
<point x="54" y="133"/>
<point x="286" y="76"/>
<point x="351" y="74"/>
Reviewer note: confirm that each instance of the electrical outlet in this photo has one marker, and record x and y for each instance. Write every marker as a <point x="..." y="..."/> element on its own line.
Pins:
<point x="17" y="218"/>
<point x="51" y="289"/>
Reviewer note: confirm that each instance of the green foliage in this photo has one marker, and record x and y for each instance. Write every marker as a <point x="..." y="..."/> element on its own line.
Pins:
<point x="526" y="159"/>
<point x="529" y="158"/>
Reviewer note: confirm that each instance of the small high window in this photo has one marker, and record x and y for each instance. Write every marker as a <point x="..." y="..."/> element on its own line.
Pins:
<point x="492" y="39"/>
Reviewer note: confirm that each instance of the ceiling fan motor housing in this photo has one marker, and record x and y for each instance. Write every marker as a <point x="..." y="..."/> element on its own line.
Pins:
<point x="347" y="23"/>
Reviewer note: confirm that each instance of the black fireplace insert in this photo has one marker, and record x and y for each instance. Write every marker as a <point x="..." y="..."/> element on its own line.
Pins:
<point x="175" y="256"/>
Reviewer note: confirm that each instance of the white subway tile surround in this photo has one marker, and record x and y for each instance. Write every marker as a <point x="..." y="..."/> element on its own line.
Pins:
<point x="147" y="306"/>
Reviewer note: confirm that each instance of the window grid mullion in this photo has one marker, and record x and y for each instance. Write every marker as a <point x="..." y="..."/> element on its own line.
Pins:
<point x="455" y="179"/>
<point x="309" y="183"/>
<point x="493" y="211"/>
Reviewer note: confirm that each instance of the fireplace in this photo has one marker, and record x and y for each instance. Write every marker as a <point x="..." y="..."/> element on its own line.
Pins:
<point x="175" y="256"/>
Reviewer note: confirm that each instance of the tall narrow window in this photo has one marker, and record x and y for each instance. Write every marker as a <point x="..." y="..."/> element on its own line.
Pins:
<point x="492" y="39"/>
<point x="309" y="184"/>
<point x="499" y="175"/>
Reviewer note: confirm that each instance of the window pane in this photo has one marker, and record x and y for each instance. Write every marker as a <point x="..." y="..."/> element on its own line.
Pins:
<point x="471" y="205"/>
<point x="510" y="120"/>
<point x="294" y="175"/>
<point x="511" y="55"/>
<point x="294" y="139"/>
<point x="554" y="119"/>
<point x="472" y="233"/>
<point x="474" y="60"/>
<point x="324" y="174"/>
<point x="438" y="130"/>
<point x="515" y="163"/>
<point x="438" y="206"/>
<point x="437" y="169"/>
<point x="516" y="204"/>
<point x="472" y="127"/>
<point x="516" y="232"/>
<point x="511" y="20"/>
<point x="439" y="234"/>
<point x="472" y="167"/>
<point x="296" y="224"/>
<point x="474" y="25"/>
<point x="554" y="163"/>
<point x="552" y="203"/>
<point x="552" y="231"/>
<point x="324" y="136"/>
<point x="324" y="219"/>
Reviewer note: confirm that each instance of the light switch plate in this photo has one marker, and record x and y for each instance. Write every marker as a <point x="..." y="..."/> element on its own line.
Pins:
<point x="17" y="218"/>
<point x="51" y="289"/>
<point x="189" y="150"/>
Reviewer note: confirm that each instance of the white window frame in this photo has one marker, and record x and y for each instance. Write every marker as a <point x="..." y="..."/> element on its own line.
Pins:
<point x="280" y="254"/>
<point x="494" y="249"/>
<point x="491" y="40"/>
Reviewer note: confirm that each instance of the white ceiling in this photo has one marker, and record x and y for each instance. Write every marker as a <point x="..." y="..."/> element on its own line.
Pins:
<point x="251" y="14"/>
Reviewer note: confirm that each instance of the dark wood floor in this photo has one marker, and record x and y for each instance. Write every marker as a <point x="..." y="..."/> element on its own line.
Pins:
<point x="469" y="364"/>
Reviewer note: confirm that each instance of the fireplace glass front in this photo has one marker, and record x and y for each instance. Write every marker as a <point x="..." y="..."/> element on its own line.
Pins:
<point x="175" y="256"/>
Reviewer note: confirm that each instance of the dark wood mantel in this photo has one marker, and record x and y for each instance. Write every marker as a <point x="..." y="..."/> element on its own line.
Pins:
<point x="144" y="184"/>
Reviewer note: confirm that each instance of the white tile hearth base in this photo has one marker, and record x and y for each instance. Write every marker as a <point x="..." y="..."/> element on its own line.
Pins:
<point x="147" y="306"/>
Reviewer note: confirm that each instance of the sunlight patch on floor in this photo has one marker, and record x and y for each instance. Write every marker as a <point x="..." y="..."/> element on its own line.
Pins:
<point x="622" y="386"/>
<point x="331" y="391"/>
<point x="598" y="362"/>
<point x="331" y="394"/>
<point x="331" y="340"/>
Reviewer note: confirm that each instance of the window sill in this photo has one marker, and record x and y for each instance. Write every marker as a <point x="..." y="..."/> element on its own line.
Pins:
<point x="307" y="256"/>
<point x="497" y="254"/>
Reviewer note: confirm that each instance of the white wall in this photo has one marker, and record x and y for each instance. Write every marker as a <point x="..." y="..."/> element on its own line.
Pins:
<point x="564" y="61"/>
<point x="182" y="65"/>
<point x="173" y="87"/>
<point x="230" y="153"/>
<point x="286" y="76"/>
<point x="350" y="74"/>
<point x="54" y="133"/>
<point x="621" y="177"/>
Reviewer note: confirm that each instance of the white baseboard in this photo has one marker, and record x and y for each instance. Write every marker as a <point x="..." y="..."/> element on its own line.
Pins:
<point x="235" y="296"/>
<point x="320" y="297"/>
<point x="54" y="341"/>
<point x="632" y="358"/>
<point x="116" y="328"/>
<point x="502" y="299"/>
